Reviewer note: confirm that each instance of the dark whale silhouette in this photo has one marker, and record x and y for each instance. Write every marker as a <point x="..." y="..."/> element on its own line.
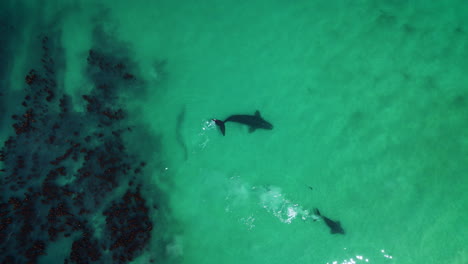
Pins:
<point x="253" y="121"/>
<point x="335" y="226"/>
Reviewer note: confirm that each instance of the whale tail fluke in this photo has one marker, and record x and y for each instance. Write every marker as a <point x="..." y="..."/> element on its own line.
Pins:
<point x="317" y="212"/>
<point x="221" y="125"/>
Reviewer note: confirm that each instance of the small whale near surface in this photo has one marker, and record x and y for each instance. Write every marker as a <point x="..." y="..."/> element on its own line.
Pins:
<point x="335" y="226"/>
<point x="253" y="121"/>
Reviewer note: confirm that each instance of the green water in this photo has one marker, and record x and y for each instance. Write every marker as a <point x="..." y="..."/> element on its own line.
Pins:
<point x="369" y="102"/>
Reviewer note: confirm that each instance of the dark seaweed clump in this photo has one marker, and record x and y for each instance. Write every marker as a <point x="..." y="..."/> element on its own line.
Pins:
<point x="61" y="167"/>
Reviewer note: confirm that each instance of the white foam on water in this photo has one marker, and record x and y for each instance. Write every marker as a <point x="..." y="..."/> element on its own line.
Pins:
<point x="273" y="200"/>
<point x="270" y="198"/>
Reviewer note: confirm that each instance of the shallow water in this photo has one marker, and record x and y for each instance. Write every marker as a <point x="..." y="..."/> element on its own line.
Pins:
<point x="369" y="103"/>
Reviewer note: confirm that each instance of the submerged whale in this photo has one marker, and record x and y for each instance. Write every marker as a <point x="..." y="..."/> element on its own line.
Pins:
<point x="335" y="226"/>
<point x="253" y="121"/>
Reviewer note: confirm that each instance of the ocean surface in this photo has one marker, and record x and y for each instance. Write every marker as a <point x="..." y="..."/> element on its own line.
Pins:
<point x="368" y="99"/>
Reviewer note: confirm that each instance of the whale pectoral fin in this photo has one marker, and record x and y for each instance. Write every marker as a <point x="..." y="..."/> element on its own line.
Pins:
<point x="251" y="129"/>
<point x="257" y="113"/>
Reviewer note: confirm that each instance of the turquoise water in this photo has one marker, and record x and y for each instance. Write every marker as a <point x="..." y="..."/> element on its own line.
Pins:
<point x="369" y="102"/>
